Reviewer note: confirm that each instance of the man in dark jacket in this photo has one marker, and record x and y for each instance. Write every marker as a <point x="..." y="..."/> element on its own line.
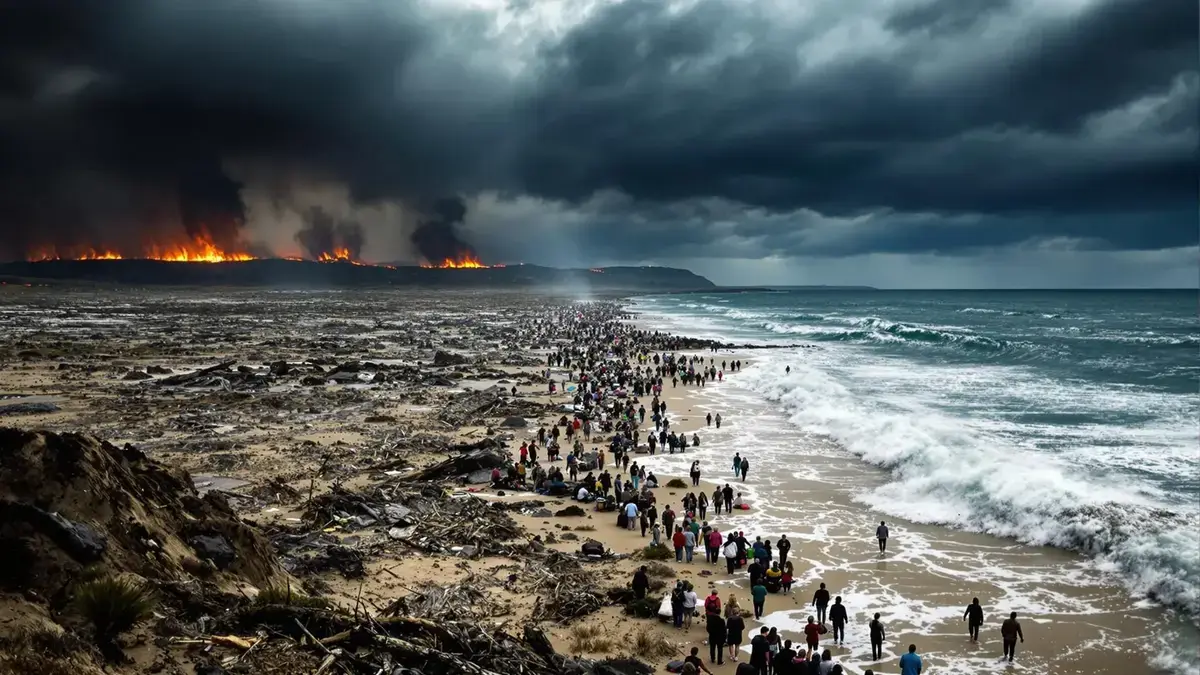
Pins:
<point x="1010" y="630"/>
<point x="821" y="602"/>
<point x="641" y="582"/>
<point x="974" y="618"/>
<point x="838" y="617"/>
<point x="784" y="547"/>
<point x="878" y="635"/>
<point x="760" y="649"/>
<point x="784" y="661"/>
<point x="716" y="638"/>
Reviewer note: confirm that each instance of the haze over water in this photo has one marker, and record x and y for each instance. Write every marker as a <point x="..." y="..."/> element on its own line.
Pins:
<point x="1066" y="419"/>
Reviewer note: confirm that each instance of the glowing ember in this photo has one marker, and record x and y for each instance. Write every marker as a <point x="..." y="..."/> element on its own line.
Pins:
<point x="463" y="261"/>
<point x="200" y="249"/>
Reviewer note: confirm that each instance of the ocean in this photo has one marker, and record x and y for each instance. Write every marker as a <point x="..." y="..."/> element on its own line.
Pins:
<point x="1068" y="419"/>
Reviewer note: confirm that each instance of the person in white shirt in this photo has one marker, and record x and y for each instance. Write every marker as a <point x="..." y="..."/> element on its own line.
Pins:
<point x="583" y="494"/>
<point x="631" y="514"/>
<point x="689" y="605"/>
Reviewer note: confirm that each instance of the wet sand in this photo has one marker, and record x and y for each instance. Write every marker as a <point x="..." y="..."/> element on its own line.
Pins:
<point x="1075" y="618"/>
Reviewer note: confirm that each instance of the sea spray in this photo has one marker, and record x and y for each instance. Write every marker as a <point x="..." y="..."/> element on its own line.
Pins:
<point x="944" y="472"/>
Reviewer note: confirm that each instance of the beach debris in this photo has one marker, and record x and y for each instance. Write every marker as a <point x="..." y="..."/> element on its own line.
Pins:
<point x="566" y="591"/>
<point x="28" y="408"/>
<point x="472" y="461"/>
<point x="441" y="359"/>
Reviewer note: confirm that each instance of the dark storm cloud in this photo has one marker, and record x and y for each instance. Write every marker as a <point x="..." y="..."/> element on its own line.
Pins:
<point x="624" y="104"/>
<point x="123" y="116"/>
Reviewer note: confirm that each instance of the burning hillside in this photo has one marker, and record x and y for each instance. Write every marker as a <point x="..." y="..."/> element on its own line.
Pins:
<point x="199" y="249"/>
<point x="459" y="262"/>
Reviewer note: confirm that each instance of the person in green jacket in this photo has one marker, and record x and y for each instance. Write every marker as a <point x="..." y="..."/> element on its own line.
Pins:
<point x="759" y="593"/>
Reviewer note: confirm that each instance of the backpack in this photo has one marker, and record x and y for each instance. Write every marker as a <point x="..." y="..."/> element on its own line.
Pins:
<point x="712" y="605"/>
<point x="677" y="596"/>
<point x="730" y="550"/>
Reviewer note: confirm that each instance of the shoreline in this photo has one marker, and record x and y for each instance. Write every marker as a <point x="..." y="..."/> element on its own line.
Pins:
<point x="396" y="408"/>
<point x="1071" y="603"/>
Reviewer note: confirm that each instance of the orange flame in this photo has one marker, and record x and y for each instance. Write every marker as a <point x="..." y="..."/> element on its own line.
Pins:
<point x="199" y="249"/>
<point x="463" y="261"/>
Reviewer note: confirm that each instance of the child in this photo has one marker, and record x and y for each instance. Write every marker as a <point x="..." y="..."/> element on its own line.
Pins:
<point x="786" y="579"/>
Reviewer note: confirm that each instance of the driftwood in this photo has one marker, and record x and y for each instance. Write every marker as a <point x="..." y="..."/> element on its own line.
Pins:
<point x="565" y="590"/>
<point x="184" y="378"/>
<point x="434" y="646"/>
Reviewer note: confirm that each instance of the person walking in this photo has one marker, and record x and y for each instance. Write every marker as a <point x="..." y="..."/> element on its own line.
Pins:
<point x="641" y="582"/>
<point x="677" y="597"/>
<point x="838" y="617"/>
<point x="821" y="602"/>
<point x="730" y="551"/>
<point x="1010" y="630"/>
<point x="735" y="629"/>
<point x="812" y="634"/>
<point x="689" y="604"/>
<point x="974" y="618"/>
<point x="716" y="628"/>
<point x="881" y="533"/>
<point x="737" y="463"/>
<point x="783" y="546"/>
<point x="689" y="543"/>
<point x="759" y="593"/>
<point x="717" y="500"/>
<point x="760" y="650"/>
<point x="878" y="635"/>
<point x="679" y="540"/>
<point x="745" y="468"/>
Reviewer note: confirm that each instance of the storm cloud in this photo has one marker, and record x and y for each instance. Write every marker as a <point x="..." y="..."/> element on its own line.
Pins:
<point x="634" y="130"/>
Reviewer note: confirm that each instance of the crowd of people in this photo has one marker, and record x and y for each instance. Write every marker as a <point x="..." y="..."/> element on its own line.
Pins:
<point x="614" y="367"/>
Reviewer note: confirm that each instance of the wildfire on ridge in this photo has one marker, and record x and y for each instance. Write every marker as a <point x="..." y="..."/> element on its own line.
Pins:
<point x="463" y="261"/>
<point x="199" y="249"/>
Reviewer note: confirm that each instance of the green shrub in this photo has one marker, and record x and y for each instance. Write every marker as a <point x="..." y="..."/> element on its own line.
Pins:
<point x="660" y="552"/>
<point x="113" y="606"/>
<point x="645" y="608"/>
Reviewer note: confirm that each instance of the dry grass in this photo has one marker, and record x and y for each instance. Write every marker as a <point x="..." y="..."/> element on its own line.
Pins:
<point x="286" y="596"/>
<point x="590" y="639"/>
<point x="652" y="645"/>
<point x="46" y="652"/>
<point x="660" y="570"/>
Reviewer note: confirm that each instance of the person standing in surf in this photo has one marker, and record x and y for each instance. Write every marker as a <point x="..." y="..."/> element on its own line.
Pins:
<point x="745" y="468"/>
<point x="1010" y="630"/>
<point x="881" y="533"/>
<point x="878" y="635"/>
<point x="737" y="463"/>
<point x="974" y="618"/>
<point x="821" y="602"/>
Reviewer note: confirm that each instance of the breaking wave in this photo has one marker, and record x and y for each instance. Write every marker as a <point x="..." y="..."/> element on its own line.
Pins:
<point x="944" y="471"/>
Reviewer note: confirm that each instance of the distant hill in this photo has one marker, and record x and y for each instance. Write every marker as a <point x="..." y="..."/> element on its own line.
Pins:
<point x="298" y="273"/>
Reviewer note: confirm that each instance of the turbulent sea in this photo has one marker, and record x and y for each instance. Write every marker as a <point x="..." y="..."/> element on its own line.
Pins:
<point x="1067" y="419"/>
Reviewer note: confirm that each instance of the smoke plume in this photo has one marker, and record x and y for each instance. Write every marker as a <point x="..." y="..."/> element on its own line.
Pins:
<point x="324" y="234"/>
<point x="436" y="237"/>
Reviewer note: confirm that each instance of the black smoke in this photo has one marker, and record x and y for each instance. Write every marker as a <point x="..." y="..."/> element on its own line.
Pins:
<point x="436" y="237"/>
<point x="210" y="205"/>
<point x="120" y="119"/>
<point x="323" y="234"/>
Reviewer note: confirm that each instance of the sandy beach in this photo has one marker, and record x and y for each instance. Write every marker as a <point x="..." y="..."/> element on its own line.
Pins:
<point x="315" y="406"/>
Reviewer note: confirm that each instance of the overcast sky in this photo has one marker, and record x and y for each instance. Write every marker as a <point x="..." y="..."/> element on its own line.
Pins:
<point x="898" y="143"/>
